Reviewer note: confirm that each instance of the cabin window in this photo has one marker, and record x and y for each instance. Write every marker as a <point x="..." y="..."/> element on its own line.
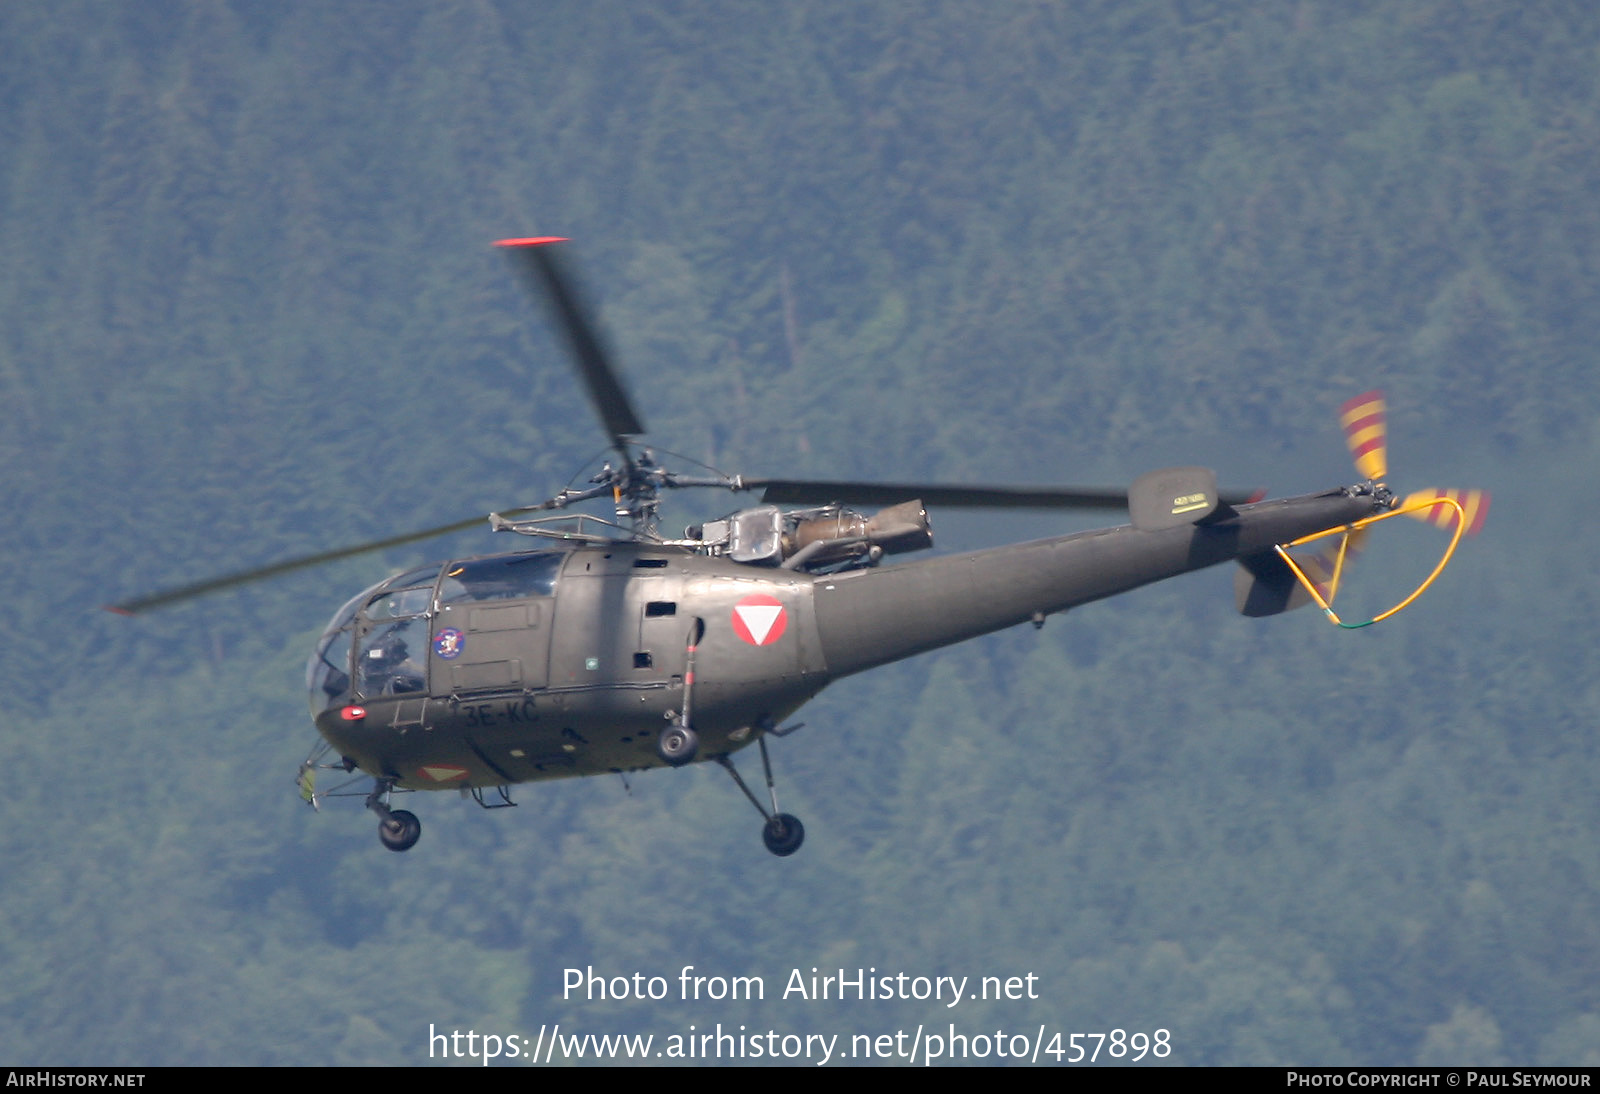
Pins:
<point x="504" y="577"/>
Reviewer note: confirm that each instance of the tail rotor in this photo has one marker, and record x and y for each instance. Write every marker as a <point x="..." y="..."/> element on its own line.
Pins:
<point x="1366" y="433"/>
<point x="1364" y="420"/>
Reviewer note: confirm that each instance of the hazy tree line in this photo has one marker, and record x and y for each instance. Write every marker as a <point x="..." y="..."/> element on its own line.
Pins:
<point x="248" y="310"/>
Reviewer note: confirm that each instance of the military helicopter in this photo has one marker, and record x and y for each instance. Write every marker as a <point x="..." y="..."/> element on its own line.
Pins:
<point x="608" y="647"/>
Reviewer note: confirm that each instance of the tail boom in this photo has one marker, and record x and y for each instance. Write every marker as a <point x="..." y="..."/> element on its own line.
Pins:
<point x="868" y="618"/>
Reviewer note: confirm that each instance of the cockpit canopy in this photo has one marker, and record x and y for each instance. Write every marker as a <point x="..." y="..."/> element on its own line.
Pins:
<point x="377" y="643"/>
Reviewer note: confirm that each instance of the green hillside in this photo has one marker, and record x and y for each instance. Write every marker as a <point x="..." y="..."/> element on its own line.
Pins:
<point x="249" y="310"/>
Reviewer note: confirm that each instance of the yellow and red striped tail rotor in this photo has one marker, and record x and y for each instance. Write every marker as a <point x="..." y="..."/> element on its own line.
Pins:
<point x="1365" y="424"/>
<point x="1474" y="508"/>
<point x="1320" y="573"/>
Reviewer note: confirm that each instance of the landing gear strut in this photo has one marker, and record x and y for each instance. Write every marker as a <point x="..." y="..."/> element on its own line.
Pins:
<point x="783" y="833"/>
<point x="398" y="829"/>
<point x="679" y="743"/>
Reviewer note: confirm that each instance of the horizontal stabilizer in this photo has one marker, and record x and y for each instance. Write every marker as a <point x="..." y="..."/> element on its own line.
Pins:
<point x="1264" y="585"/>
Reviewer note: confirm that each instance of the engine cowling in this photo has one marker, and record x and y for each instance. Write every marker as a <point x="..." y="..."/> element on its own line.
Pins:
<point x="766" y="535"/>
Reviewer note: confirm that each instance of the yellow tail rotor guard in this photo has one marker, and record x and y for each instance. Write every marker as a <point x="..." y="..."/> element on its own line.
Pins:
<point x="1345" y="532"/>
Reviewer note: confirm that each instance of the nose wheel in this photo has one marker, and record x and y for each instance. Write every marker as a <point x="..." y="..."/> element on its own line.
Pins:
<point x="398" y="829"/>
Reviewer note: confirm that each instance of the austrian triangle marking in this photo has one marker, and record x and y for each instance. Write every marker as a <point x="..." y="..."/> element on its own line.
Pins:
<point x="758" y="619"/>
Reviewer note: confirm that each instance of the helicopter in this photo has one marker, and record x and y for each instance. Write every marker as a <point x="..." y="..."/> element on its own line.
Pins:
<point x="608" y="647"/>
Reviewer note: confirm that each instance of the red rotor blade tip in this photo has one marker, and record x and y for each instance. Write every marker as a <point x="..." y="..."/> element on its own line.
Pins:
<point x="530" y="241"/>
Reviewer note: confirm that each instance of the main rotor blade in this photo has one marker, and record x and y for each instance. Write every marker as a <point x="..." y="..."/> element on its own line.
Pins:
<point x="545" y="276"/>
<point x="245" y="577"/>
<point x="820" y="492"/>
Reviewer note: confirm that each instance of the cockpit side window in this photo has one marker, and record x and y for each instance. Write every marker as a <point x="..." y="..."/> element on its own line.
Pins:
<point x="392" y="642"/>
<point x="387" y="627"/>
<point x="505" y="577"/>
<point x="392" y="659"/>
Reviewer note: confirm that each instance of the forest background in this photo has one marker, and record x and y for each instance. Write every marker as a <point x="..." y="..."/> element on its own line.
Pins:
<point x="248" y="310"/>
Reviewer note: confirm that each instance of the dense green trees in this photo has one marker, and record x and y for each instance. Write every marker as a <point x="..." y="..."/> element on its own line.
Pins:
<point x="247" y="310"/>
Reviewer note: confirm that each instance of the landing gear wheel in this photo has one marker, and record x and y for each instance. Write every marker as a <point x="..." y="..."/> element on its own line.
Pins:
<point x="783" y="834"/>
<point x="677" y="744"/>
<point x="400" y="830"/>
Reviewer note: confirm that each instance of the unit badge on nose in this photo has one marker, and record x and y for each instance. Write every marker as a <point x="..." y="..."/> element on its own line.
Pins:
<point x="448" y="644"/>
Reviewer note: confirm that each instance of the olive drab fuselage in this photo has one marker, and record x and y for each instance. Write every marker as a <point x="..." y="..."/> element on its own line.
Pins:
<point x="545" y="664"/>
